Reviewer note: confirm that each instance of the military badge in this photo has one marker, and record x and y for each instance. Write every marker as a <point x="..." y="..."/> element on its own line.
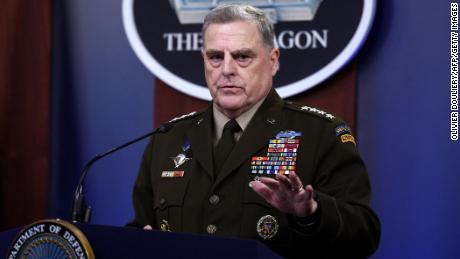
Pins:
<point x="281" y="154"/>
<point x="342" y="129"/>
<point x="182" y="157"/>
<point x="317" y="112"/>
<point x="179" y="160"/>
<point x="164" y="225"/>
<point x="347" y="138"/>
<point x="271" y="121"/>
<point x="343" y="132"/>
<point x="172" y="174"/>
<point x="186" y="145"/>
<point x="267" y="227"/>
<point x="288" y="134"/>
<point x="183" y="116"/>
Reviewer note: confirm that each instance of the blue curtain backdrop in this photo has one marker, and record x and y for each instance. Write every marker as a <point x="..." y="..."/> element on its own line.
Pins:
<point x="404" y="129"/>
<point x="103" y="96"/>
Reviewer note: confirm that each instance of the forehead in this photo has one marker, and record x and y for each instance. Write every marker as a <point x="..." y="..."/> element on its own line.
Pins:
<point x="233" y="35"/>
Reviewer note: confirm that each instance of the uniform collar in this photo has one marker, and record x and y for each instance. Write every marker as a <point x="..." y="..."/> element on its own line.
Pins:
<point x="243" y="120"/>
<point x="263" y="125"/>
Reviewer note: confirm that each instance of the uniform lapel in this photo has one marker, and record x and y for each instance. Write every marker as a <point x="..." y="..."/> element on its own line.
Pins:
<point x="264" y="126"/>
<point x="200" y="136"/>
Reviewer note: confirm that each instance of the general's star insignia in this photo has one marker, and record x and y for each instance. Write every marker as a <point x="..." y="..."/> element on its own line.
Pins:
<point x="317" y="111"/>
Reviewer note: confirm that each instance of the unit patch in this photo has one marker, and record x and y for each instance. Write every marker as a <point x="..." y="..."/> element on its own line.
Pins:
<point x="342" y="129"/>
<point x="343" y="132"/>
<point x="281" y="155"/>
<point x="347" y="138"/>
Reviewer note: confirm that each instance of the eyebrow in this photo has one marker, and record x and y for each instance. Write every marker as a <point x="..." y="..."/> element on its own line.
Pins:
<point x="236" y="53"/>
<point x="243" y="52"/>
<point x="212" y="52"/>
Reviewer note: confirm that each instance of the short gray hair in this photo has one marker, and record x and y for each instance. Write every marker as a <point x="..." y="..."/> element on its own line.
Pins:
<point x="241" y="12"/>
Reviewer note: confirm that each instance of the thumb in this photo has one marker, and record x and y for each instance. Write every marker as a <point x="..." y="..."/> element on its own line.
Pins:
<point x="148" y="227"/>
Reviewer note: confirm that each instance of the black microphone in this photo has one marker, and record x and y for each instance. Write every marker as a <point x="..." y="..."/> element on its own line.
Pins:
<point x="81" y="212"/>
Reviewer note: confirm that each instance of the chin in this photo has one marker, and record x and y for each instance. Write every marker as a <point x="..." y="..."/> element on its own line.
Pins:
<point x="230" y="103"/>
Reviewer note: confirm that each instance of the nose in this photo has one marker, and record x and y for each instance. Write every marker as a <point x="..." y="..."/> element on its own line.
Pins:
<point x="229" y="66"/>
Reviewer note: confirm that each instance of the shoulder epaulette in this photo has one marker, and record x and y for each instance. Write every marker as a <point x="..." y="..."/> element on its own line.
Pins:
<point x="310" y="110"/>
<point x="186" y="116"/>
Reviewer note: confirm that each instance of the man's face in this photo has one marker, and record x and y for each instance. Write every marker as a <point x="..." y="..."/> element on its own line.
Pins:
<point x="238" y="68"/>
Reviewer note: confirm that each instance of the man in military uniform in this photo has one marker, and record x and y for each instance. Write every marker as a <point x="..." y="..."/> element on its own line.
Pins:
<point x="252" y="165"/>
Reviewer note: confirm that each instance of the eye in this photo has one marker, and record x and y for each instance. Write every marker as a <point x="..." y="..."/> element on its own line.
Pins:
<point x="215" y="57"/>
<point x="243" y="59"/>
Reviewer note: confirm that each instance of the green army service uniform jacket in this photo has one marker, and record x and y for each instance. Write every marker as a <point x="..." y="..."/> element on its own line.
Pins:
<point x="189" y="197"/>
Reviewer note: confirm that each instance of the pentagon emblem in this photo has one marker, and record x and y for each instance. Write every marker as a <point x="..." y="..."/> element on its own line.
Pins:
<point x="51" y="239"/>
<point x="267" y="227"/>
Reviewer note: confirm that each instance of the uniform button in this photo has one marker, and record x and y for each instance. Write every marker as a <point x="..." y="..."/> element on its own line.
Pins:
<point x="211" y="229"/>
<point x="162" y="201"/>
<point x="214" y="199"/>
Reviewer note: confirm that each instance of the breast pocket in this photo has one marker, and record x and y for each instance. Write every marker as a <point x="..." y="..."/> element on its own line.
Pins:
<point x="254" y="207"/>
<point x="168" y="203"/>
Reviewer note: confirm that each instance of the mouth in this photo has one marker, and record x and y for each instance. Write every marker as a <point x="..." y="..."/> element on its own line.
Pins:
<point x="229" y="89"/>
<point x="228" y="86"/>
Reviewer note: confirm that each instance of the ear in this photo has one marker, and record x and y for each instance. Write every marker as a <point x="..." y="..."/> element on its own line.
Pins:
<point x="274" y="60"/>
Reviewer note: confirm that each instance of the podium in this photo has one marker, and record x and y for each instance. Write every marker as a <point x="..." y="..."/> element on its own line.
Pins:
<point x="125" y="242"/>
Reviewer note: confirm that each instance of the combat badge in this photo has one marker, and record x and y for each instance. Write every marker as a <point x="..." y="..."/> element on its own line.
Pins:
<point x="290" y="134"/>
<point x="182" y="157"/>
<point x="267" y="227"/>
<point x="179" y="160"/>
